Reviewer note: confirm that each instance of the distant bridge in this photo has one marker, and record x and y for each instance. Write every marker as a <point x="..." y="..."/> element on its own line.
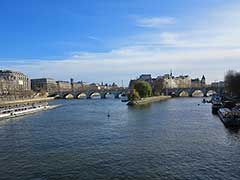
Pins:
<point x="190" y="91"/>
<point x="89" y="94"/>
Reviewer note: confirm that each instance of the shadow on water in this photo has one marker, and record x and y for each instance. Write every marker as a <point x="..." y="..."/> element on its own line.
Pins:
<point x="139" y="107"/>
<point x="233" y="130"/>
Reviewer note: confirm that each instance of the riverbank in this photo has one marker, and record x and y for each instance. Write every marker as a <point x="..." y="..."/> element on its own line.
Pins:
<point x="148" y="100"/>
<point x="25" y="101"/>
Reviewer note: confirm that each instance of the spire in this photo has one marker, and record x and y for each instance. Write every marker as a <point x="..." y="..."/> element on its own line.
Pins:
<point x="171" y="73"/>
<point x="203" y="80"/>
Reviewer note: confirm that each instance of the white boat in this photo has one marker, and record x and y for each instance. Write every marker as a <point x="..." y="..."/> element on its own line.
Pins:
<point x="124" y="98"/>
<point x="6" y="113"/>
<point x="216" y="98"/>
<point x="229" y="117"/>
<point x="216" y="103"/>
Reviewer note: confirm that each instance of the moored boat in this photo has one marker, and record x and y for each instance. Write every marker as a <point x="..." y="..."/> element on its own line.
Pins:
<point x="216" y="106"/>
<point x="230" y="117"/>
<point x="216" y="98"/>
<point x="124" y="98"/>
<point x="216" y="103"/>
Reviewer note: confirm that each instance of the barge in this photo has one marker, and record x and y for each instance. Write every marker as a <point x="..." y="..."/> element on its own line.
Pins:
<point x="21" y="110"/>
<point x="216" y="103"/>
<point x="230" y="117"/>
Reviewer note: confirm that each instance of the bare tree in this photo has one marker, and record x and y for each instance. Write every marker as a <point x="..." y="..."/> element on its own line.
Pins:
<point x="232" y="83"/>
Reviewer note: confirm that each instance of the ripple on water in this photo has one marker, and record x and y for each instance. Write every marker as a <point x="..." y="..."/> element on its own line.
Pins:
<point x="174" y="139"/>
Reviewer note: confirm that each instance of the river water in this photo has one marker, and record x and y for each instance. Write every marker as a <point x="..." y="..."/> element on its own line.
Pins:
<point x="174" y="139"/>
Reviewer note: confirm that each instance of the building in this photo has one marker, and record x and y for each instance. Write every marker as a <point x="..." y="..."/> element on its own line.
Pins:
<point x="12" y="82"/>
<point x="196" y="83"/>
<point x="145" y="77"/>
<point x="168" y="81"/>
<point x="157" y="86"/>
<point x="77" y="86"/>
<point x="132" y="83"/>
<point x="183" y="81"/>
<point x="44" y="84"/>
<point x="51" y="86"/>
<point x="219" y="84"/>
<point x="203" y="81"/>
<point x="63" y="86"/>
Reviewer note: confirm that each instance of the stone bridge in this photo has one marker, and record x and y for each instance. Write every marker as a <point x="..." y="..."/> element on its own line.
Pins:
<point x="191" y="90"/>
<point x="88" y="94"/>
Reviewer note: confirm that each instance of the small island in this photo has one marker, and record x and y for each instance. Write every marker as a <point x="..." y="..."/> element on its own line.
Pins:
<point x="141" y="93"/>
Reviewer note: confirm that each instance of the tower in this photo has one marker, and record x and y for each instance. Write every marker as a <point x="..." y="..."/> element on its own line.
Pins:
<point x="203" y="80"/>
<point x="72" y="82"/>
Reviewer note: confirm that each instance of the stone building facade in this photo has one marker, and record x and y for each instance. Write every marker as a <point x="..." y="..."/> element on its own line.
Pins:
<point x="196" y="83"/>
<point x="14" y="84"/>
<point x="44" y="85"/>
<point x="168" y="81"/>
<point x="14" y="81"/>
<point x="63" y="86"/>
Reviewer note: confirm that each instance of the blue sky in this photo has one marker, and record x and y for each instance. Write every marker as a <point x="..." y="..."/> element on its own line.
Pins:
<point x="109" y="40"/>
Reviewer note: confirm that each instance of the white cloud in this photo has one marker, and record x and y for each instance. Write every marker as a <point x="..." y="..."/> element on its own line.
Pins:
<point x="155" y="21"/>
<point x="128" y="62"/>
<point x="209" y="47"/>
<point x="94" y="38"/>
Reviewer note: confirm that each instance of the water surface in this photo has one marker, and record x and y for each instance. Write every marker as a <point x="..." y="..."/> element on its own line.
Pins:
<point x="174" y="139"/>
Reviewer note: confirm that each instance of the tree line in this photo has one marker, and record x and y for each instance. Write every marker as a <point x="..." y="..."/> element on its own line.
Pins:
<point x="232" y="83"/>
<point x="141" y="89"/>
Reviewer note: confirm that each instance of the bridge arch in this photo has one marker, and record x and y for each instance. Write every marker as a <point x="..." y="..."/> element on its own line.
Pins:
<point x="183" y="93"/>
<point x="210" y="92"/>
<point x="197" y="93"/>
<point x="120" y="95"/>
<point x="55" y="96"/>
<point x="81" y="96"/>
<point x="108" y="95"/>
<point x="94" y="95"/>
<point x="68" y="96"/>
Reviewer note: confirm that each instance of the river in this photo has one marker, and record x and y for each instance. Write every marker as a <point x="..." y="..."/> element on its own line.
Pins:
<point x="173" y="139"/>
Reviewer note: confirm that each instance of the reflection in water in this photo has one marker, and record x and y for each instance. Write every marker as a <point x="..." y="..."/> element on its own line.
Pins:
<point x="82" y="96"/>
<point x="184" y="94"/>
<point x="197" y="93"/>
<point x="233" y="130"/>
<point x="174" y="139"/>
<point x="95" y="96"/>
<point x="109" y="96"/>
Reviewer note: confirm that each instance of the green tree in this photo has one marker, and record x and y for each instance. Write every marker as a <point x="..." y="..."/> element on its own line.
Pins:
<point x="232" y="83"/>
<point x="157" y="87"/>
<point x="133" y="95"/>
<point x="143" y="88"/>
